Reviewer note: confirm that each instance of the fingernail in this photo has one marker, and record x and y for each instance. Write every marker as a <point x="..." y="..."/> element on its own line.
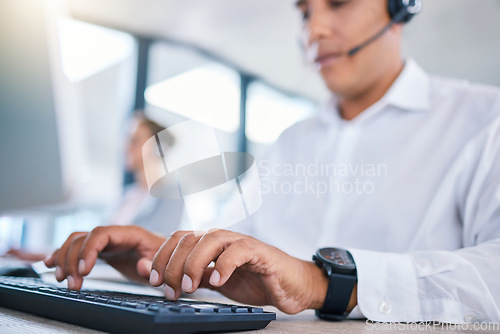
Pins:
<point x="187" y="283"/>
<point x="47" y="258"/>
<point x="71" y="282"/>
<point x="59" y="273"/>
<point x="214" y="278"/>
<point x="81" y="266"/>
<point x="154" y="277"/>
<point x="169" y="293"/>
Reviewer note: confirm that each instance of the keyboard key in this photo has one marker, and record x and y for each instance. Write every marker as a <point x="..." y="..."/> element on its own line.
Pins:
<point x="154" y="308"/>
<point x="114" y="302"/>
<point x="129" y="304"/>
<point x="223" y="310"/>
<point x="238" y="309"/>
<point x="47" y="290"/>
<point x="181" y="309"/>
<point x="256" y="309"/>
<point x="204" y="308"/>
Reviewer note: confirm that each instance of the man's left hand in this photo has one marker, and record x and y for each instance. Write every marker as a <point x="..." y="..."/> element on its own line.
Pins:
<point x="246" y="270"/>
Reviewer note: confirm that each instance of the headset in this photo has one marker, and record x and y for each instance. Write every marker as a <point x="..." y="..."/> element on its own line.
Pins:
<point x="400" y="11"/>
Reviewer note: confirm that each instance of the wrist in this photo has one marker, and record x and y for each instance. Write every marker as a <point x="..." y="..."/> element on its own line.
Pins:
<point x="318" y="284"/>
<point x="354" y="299"/>
<point x="339" y="268"/>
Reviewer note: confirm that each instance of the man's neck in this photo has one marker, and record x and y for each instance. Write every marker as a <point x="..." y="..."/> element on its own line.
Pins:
<point x="353" y="106"/>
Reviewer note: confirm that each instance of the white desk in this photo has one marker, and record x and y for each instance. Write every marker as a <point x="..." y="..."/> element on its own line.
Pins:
<point x="18" y="322"/>
<point x="306" y="322"/>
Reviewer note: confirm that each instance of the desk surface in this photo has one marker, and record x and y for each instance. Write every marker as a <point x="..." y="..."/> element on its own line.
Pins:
<point x="18" y="322"/>
<point x="306" y="322"/>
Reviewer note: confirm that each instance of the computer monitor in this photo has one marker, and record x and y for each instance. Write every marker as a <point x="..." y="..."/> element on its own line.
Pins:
<point x="33" y="151"/>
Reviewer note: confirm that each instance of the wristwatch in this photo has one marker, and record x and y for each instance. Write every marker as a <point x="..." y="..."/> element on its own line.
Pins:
<point x="339" y="267"/>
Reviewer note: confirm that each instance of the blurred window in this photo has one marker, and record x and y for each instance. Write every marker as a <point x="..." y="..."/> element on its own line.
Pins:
<point x="209" y="94"/>
<point x="79" y="221"/>
<point x="87" y="49"/>
<point x="270" y="112"/>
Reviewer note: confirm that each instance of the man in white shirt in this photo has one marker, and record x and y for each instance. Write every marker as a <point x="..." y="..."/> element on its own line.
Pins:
<point x="401" y="169"/>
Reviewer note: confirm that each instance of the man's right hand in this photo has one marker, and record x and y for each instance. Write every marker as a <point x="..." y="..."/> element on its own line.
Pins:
<point x="129" y="249"/>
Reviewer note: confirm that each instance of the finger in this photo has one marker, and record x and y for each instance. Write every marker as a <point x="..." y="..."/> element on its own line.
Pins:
<point x="162" y="257"/>
<point x="173" y="275"/>
<point x="62" y="254"/>
<point x="206" y="278"/>
<point x="105" y="238"/>
<point x="50" y="260"/>
<point x="241" y="252"/>
<point x="208" y="249"/>
<point x="144" y="267"/>
<point x="13" y="252"/>
<point x="71" y="264"/>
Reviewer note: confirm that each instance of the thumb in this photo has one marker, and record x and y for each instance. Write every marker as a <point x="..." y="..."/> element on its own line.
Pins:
<point x="144" y="267"/>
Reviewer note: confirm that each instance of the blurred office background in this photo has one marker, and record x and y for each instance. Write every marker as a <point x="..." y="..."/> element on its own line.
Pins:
<point x="234" y="64"/>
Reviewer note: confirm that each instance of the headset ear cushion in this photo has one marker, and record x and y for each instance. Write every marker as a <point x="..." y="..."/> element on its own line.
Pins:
<point x="394" y="6"/>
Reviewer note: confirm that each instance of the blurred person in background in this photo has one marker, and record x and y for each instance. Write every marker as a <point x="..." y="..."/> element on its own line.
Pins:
<point x="138" y="207"/>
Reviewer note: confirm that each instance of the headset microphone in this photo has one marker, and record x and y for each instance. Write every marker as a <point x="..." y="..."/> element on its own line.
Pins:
<point x="406" y="9"/>
<point x="397" y="18"/>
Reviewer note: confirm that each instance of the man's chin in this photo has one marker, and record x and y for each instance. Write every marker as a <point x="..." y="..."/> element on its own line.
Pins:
<point x="338" y="87"/>
<point x="335" y="81"/>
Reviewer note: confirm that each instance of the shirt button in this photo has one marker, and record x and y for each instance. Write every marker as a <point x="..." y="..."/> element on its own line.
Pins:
<point x="470" y="317"/>
<point x="385" y="308"/>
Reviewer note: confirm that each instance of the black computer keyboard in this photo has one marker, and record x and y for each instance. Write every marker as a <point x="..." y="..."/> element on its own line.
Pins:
<point x="127" y="313"/>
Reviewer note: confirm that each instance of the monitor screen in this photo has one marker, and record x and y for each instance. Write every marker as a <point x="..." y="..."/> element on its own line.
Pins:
<point x="30" y="155"/>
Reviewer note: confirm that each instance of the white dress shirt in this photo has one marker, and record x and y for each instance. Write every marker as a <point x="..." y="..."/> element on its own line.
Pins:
<point x="411" y="187"/>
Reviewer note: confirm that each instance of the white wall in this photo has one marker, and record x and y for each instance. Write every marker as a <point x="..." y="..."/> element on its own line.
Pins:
<point x="458" y="38"/>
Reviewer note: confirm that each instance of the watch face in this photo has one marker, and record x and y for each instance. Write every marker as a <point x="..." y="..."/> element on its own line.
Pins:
<point x="340" y="259"/>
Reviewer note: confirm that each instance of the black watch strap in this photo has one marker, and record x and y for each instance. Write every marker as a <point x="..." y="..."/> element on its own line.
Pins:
<point x="337" y="299"/>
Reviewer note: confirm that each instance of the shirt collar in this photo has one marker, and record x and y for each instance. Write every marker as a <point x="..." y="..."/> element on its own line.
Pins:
<point x="410" y="91"/>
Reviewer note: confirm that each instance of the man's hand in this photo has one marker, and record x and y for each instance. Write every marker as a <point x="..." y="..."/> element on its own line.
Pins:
<point x="25" y="255"/>
<point x="246" y="270"/>
<point x="129" y="249"/>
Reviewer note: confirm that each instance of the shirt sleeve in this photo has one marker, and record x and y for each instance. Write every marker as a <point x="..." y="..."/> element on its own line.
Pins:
<point x="457" y="286"/>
